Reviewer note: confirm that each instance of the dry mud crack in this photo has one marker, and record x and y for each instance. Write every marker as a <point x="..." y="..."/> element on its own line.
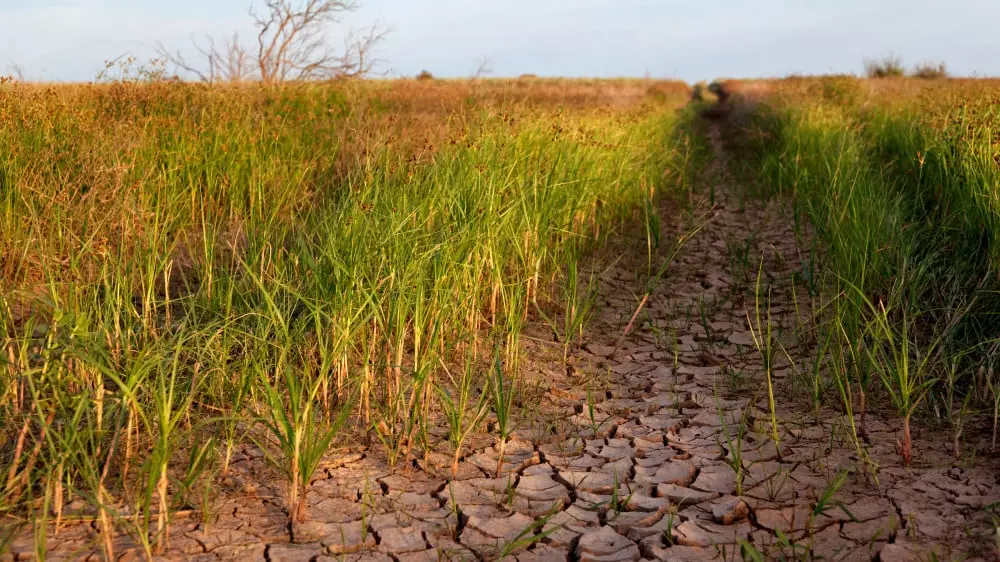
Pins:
<point x="658" y="446"/>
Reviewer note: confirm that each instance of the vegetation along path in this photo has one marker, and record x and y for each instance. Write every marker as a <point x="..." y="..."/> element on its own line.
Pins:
<point x="671" y="433"/>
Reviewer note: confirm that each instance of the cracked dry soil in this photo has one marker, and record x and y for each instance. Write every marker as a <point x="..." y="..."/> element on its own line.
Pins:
<point x="630" y="455"/>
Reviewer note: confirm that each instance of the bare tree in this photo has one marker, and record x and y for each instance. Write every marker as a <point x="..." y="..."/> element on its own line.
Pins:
<point x="292" y="44"/>
<point x="225" y="62"/>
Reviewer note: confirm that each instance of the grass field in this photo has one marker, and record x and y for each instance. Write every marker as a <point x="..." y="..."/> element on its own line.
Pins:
<point x="187" y="268"/>
<point x="899" y="181"/>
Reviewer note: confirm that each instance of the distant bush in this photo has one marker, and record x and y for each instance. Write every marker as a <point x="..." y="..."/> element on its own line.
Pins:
<point x="930" y="71"/>
<point x="425" y="75"/>
<point x="889" y="67"/>
<point x="527" y="77"/>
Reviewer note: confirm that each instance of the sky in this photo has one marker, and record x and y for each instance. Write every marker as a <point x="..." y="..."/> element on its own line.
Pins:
<point x="69" y="40"/>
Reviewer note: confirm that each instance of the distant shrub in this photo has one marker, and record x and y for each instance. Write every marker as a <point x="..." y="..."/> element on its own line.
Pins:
<point x="930" y="71"/>
<point x="425" y="75"/>
<point x="889" y="67"/>
<point x="527" y="77"/>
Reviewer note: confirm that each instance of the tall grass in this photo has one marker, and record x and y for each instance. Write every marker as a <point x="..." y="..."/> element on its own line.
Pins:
<point x="899" y="183"/>
<point x="181" y="261"/>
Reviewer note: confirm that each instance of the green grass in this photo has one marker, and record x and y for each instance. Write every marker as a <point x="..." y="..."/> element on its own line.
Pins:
<point x="898" y="184"/>
<point x="181" y="261"/>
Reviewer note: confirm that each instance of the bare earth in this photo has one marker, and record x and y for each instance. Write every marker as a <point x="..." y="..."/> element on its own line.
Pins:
<point x="651" y="475"/>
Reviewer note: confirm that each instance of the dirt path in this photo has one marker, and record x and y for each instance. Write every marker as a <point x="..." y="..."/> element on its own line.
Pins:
<point x="642" y="469"/>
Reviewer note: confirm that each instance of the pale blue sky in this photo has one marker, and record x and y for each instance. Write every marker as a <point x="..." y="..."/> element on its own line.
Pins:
<point x="69" y="39"/>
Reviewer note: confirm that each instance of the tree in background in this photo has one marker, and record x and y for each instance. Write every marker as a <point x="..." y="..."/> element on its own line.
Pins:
<point x="292" y="45"/>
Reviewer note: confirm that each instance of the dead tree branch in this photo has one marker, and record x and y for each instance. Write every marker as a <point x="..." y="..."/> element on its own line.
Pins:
<point x="292" y="45"/>
<point x="228" y="62"/>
